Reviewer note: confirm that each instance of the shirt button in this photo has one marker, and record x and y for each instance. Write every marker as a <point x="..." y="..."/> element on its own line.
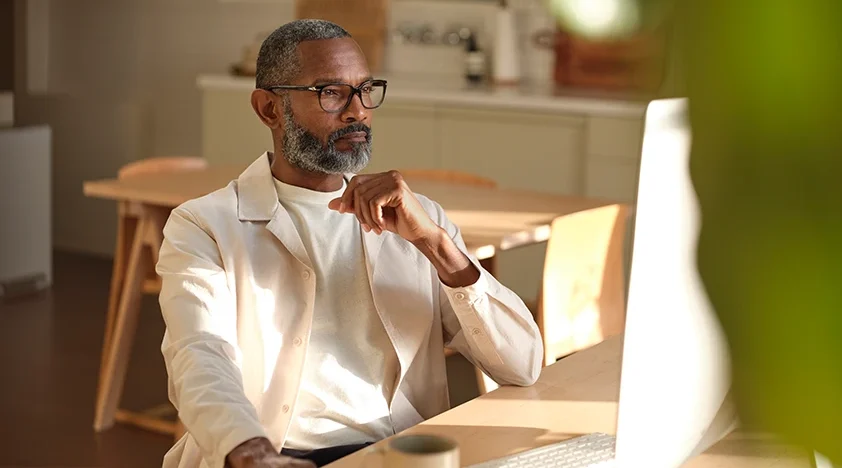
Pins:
<point x="305" y="274"/>
<point x="285" y="408"/>
<point x="297" y="341"/>
<point x="460" y="296"/>
<point x="476" y="331"/>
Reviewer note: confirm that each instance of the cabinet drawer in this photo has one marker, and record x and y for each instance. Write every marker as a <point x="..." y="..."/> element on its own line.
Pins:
<point x="615" y="138"/>
<point x="519" y="150"/>
<point x="614" y="179"/>
<point x="231" y="131"/>
<point x="404" y="137"/>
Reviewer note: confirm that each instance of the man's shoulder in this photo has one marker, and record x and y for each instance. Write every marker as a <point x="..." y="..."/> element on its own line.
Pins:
<point x="219" y="205"/>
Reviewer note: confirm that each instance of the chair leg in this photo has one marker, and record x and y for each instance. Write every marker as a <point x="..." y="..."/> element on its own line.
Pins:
<point x="484" y="383"/>
<point x="180" y="430"/>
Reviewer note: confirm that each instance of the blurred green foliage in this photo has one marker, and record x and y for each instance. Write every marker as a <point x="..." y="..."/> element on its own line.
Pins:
<point x="764" y="80"/>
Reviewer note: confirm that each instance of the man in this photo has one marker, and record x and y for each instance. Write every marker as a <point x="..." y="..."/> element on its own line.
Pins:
<point x="307" y="309"/>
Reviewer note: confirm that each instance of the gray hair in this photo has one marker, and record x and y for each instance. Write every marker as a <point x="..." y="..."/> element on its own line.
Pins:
<point x="278" y="61"/>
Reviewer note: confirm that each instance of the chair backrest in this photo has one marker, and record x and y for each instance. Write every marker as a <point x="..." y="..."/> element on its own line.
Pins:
<point x="445" y="175"/>
<point x="582" y="298"/>
<point x="160" y="165"/>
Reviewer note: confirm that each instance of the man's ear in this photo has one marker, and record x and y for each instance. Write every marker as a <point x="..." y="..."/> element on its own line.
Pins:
<point x="268" y="109"/>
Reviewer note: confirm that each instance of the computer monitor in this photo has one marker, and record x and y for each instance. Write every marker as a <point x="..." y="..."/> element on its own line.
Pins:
<point x="675" y="371"/>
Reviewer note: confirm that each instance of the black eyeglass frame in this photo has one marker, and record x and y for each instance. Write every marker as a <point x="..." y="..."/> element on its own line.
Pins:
<point x="355" y="91"/>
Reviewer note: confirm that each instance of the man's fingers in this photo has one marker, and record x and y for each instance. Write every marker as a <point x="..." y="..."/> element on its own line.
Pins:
<point x="375" y="197"/>
<point x="362" y="210"/>
<point x="346" y="204"/>
<point x="347" y="200"/>
<point x="375" y="206"/>
<point x="366" y="197"/>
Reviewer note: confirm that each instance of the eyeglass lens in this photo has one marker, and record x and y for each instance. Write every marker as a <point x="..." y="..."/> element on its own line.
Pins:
<point x="334" y="98"/>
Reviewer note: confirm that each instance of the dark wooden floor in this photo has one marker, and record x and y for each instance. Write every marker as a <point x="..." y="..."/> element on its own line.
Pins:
<point x="50" y="346"/>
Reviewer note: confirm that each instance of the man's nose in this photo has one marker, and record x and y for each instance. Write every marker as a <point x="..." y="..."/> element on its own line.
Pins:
<point x="355" y="112"/>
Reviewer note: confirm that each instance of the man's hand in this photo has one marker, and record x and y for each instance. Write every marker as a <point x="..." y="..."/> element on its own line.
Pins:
<point x="259" y="453"/>
<point x="383" y="202"/>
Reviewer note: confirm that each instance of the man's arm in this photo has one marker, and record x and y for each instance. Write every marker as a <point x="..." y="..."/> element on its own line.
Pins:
<point x="453" y="266"/>
<point x="483" y="320"/>
<point x="200" y="349"/>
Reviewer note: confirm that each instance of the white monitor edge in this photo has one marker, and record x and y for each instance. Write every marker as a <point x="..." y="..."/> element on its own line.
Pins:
<point x="675" y="378"/>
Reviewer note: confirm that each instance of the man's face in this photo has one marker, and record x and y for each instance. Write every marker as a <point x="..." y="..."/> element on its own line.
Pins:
<point x="319" y="141"/>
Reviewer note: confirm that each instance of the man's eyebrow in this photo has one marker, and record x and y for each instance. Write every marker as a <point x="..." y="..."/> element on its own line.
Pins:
<point x="329" y="80"/>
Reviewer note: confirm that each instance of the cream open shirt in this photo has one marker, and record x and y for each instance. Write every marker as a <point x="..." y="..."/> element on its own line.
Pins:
<point x="237" y="299"/>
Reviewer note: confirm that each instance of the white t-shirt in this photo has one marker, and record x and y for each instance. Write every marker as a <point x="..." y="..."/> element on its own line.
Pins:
<point x="351" y="367"/>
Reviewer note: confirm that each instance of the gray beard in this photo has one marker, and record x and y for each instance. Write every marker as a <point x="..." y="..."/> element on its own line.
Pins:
<point x="304" y="150"/>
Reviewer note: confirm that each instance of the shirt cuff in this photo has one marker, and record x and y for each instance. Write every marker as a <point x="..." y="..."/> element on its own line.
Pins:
<point x="464" y="297"/>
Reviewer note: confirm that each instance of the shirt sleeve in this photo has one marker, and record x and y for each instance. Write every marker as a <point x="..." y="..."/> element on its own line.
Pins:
<point x="490" y="325"/>
<point x="200" y="343"/>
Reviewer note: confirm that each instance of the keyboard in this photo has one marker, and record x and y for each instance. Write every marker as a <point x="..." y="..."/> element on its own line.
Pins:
<point x="588" y="451"/>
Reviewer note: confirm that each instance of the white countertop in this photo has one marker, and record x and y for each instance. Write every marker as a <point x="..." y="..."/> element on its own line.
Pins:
<point x="449" y="91"/>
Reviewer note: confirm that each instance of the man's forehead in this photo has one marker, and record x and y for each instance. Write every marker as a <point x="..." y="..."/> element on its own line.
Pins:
<point x="332" y="58"/>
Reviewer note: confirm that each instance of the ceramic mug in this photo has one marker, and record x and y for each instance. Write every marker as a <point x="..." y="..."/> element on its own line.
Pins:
<point x="418" y="451"/>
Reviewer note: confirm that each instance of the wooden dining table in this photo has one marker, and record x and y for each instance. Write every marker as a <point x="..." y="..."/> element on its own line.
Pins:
<point x="575" y="396"/>
<point x="490" y="220"/>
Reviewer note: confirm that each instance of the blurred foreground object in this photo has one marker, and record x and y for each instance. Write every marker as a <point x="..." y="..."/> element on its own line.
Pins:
<point x="765" y="85"/>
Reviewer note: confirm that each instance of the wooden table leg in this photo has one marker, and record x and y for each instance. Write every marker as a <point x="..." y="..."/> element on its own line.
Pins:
<point x="484" y="383"/>
<point x="118" y="343"/>
<point x="126" y="227"/>
<point x="125" y="323"/>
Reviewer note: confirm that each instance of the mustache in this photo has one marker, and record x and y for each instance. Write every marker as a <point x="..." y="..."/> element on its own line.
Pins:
<point x="353" y="128"/>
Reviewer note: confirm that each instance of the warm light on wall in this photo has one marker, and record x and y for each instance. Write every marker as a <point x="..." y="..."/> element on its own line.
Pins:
<point x="597" y="18"/>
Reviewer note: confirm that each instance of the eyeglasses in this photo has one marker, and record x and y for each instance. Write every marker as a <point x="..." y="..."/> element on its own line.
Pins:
<point x="335" y="97"/>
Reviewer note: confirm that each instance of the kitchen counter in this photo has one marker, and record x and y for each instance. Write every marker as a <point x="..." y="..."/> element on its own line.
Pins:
<point x="449" y="91"/>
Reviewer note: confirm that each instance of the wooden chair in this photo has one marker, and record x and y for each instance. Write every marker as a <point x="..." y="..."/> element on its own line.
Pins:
<point x="582" y="297"/>
<point x="127" y="228"/>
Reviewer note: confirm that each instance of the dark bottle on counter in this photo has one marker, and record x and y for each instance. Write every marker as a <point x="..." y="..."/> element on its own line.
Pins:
<point x="475" y="61"/>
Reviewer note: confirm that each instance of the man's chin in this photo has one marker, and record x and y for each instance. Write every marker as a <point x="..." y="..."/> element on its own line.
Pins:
<point x="345" y="147"/>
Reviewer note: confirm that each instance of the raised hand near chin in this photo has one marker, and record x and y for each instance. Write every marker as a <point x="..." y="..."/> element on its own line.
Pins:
<point x="384" y="202"/>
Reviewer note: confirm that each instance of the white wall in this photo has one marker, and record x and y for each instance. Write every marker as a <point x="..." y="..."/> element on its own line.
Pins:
<point x="121" y="87"/>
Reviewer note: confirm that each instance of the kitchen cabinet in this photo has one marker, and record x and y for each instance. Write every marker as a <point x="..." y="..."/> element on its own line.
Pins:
<point x="231" y="131"/>
<point x="537" y="151"/>
<point x="404" y="136"/>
